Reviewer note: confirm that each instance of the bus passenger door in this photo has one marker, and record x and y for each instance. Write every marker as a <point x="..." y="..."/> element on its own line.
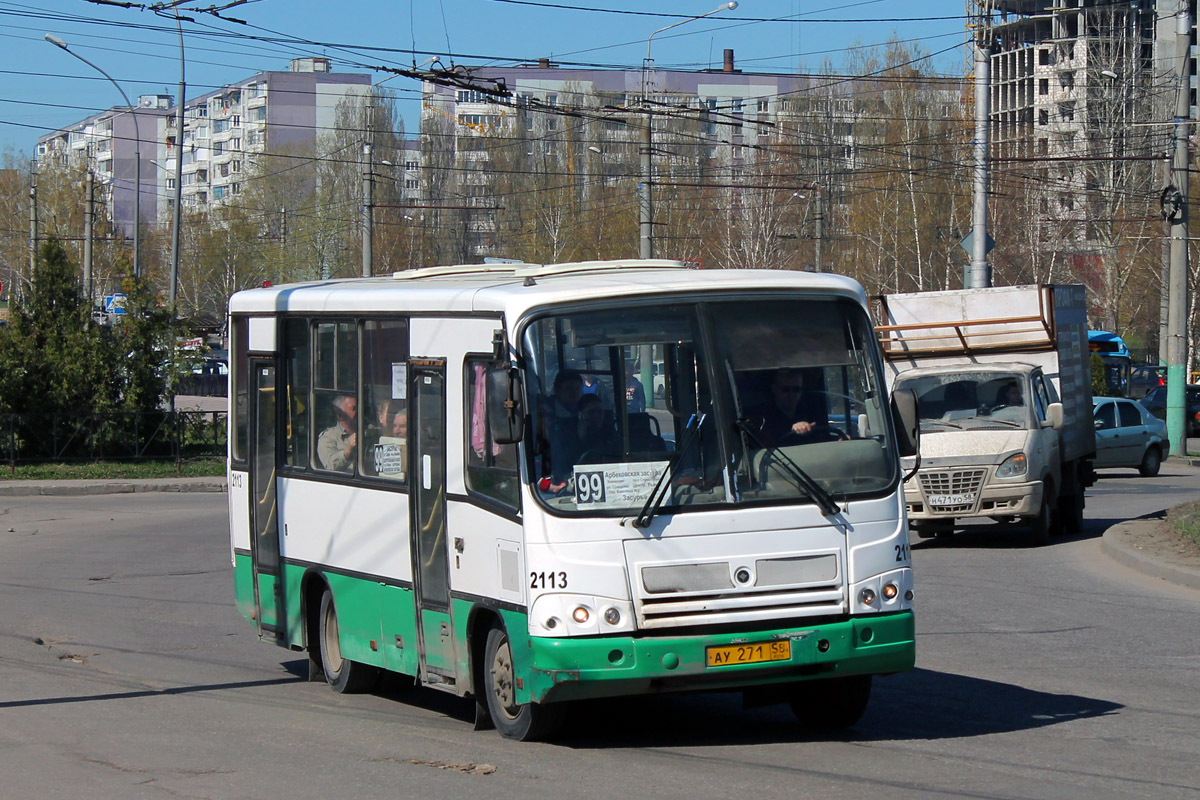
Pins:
<point x="264" y="544"/>
<point x="431" y="574"/>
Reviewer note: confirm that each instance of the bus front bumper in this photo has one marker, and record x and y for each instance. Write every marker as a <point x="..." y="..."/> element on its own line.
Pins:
<point x="572" y="669"/>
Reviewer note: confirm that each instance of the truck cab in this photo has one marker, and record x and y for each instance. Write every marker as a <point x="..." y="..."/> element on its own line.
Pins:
<point x="990" y="445"/>
<point x="1003" y="384"/>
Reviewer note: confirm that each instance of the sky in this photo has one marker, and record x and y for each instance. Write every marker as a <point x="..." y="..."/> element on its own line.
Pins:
<point x="43" y="88"/>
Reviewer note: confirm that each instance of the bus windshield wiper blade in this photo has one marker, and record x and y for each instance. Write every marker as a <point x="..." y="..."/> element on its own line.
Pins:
<point x="816" y="491"/>
<point x="662" y="487"/>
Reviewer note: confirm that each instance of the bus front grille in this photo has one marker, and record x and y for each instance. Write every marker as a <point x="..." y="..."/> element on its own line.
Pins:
<point x="681" y="610"/>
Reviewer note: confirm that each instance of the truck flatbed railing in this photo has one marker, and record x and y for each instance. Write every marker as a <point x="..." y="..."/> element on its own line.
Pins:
<point x="908" y="334"/>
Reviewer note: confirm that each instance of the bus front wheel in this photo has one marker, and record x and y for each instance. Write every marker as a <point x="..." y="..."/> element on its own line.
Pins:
<point x="830" y="704"/>
<point x="522" y="722"/>
<point x="344" y="675"/>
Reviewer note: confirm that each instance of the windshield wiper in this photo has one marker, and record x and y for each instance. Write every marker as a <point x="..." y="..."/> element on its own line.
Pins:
<point x="816" y="491"/>
<point x="662" y="488"/>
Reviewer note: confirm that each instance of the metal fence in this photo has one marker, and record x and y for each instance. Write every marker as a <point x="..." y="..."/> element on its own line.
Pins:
<point x="131" y="436"/>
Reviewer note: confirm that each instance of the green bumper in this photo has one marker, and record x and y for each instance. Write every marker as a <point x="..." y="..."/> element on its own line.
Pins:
<point x="571" y="669"/>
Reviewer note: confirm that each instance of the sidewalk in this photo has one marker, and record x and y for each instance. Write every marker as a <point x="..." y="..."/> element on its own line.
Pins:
<point x="1148" y="546"/>
<point x="74" y="488"/>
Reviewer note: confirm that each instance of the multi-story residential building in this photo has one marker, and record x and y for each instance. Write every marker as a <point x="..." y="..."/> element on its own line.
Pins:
<point x="275" y="112"/>
<point x="111" y="142"/>
<point x="272" y="111"/>
<point x="724" y="116"/>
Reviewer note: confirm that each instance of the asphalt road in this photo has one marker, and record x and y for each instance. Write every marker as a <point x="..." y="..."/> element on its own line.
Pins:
<point x="126" y="673"/>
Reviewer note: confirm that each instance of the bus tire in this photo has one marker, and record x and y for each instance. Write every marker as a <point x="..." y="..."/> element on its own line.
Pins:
<point x="524" y="723"/>
<point x="344" y="675"/>
<point x="831" y="704"/>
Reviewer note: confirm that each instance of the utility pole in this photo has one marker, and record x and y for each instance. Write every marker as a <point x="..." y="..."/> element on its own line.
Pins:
<point x="89" y="217"/>
<point x="1175" y="208"/>
<point x="981" y="274"/>
<point x="33" y="219"/>
<point x="177" y="211"/>
<point x="820" y="229"/>
<point x="645" y="149"/>
<point x="368" y="227"/>
<point x="645" y="200"/>
<point x="1164" y="296"/>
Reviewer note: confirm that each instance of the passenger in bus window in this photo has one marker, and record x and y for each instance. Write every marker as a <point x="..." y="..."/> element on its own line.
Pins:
<point x="559" y="423"/>
<point x="635" y="393"/>
<point x="393" y="419"/>
<point x="787" y="416"/>
<point x="336" y="444"/>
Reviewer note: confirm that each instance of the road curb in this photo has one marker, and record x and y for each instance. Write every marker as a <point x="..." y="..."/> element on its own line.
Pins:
<point x="1116" y="544"/>
<point x="76" y="488"/>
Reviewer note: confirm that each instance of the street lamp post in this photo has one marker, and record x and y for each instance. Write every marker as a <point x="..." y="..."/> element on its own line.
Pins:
<point x="645" y="199"/>
<point x="137" y="144"/>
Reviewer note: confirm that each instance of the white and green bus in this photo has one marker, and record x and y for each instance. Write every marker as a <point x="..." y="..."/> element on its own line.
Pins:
<point x="532" y="484"/>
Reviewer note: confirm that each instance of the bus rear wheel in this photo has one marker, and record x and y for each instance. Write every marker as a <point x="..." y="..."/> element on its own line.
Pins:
<point x="831" y="704"/>
<point x="344" y="675"/>
<point x="522" y="722"/>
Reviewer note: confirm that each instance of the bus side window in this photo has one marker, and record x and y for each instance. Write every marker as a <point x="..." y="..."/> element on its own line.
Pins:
<point x="385" y="422"/>
<point x="335" y="400"/>
<point x="491" y="469"/>
<point x="297" y="364"/>
<point x="241" y="388"/>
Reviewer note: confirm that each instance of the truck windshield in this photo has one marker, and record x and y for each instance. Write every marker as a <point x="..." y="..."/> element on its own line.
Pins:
<point x="962" y="400"/>
<point x="780" y="401"/>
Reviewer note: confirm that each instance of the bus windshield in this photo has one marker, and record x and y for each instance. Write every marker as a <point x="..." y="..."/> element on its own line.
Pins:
<point x="734" y="402"/>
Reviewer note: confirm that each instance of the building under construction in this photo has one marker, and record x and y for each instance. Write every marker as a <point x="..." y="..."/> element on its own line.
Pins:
<point x="1074" y="84"/>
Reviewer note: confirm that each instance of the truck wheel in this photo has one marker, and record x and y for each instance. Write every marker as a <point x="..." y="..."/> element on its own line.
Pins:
<point x="1039" y="526"/>
<point x="941" y="528"/>
<point x="528" y="722"/>
<point x="1151" y="461"/>
<point x="831" y="704"/>
<point x="1070" y="512"/>
<point x="344" y="675"/>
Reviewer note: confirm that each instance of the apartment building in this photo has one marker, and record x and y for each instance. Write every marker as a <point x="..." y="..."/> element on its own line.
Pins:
<point x="111" y="142"/>
<point x="723" y="115"/>
<point x="223" y="131"/>
<point x="271" y="112"/>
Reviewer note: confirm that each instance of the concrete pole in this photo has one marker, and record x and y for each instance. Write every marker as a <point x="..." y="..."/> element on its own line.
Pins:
<point x="818" y="264"/>
<point x="1164" y="295"/>
<point x="981" y="274"/>
<point x="368" y="227"/>
<point x="645" y="198"/>
<point x="177" y="211"/>
<point x="89" y="217"/>
<point x="33" y="220"/>
<point x="1177" y="339"/>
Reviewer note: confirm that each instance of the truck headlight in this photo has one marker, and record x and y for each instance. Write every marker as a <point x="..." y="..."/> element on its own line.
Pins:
<point x="1013" y="466"/>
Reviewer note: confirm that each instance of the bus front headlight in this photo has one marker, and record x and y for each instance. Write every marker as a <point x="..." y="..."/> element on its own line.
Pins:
<point x="561" y="614"/>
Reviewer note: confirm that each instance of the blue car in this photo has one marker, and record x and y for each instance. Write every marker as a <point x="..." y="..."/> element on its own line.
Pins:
<point x="1156" y="404"/>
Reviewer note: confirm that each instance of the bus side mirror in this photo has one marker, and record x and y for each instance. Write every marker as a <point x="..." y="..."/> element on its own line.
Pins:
<point x="907" y="421"/>
<point x="505" y="411"/>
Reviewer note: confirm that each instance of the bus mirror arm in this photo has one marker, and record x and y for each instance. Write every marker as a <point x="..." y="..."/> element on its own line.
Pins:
<point x="505" y="409"/>
<point x="907" y="421"/>
<point x="499" y="346"/>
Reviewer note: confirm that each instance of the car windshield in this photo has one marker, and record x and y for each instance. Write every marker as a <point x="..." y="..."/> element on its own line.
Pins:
<point x="767" y="400"/>
<point x="969" y="400"/>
